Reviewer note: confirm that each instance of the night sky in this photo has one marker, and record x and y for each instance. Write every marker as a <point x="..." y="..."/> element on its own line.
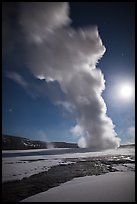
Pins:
<point x="28" y="104"/>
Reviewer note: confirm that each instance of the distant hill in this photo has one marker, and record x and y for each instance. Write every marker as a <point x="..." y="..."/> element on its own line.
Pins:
<point x="127" y="145"/>
<point x="10" y="142"/>
<point x="19" y="143"/>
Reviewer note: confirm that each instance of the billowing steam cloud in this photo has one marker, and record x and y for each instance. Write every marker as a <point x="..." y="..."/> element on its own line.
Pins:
<point x="58" y="52"/>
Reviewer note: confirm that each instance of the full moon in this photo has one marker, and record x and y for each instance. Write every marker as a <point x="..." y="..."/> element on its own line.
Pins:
<point x="126" y="91"/>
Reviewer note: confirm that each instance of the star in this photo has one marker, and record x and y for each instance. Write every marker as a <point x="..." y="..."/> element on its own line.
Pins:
<point x="10" y="110"/>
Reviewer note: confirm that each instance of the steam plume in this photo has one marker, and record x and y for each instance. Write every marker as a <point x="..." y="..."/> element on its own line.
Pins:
<point x="58" y="52"/>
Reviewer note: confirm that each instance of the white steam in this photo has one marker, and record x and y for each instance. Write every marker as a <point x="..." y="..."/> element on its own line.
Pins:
<point x="58" y="52"/>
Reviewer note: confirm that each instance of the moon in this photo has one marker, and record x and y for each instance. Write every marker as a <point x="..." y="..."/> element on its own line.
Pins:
<point x="126" y="91"/>
<point x="122" y="93"/>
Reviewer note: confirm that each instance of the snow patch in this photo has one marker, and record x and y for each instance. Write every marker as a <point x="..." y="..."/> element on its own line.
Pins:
<point x="92" y="189"/>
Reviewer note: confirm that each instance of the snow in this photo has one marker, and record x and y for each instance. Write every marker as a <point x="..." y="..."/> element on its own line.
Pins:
<point x="26" y="150"/>
<point x="40" y="160"/>
<point x="111" y="187"/>
<point x="18" y="168"/>
<point x="118" y="186"/>
<point x="124" y="167"/>
<point x="69" y="152"/>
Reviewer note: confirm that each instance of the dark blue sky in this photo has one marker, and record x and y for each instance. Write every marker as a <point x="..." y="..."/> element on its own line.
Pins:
<point x="31" y="113"/>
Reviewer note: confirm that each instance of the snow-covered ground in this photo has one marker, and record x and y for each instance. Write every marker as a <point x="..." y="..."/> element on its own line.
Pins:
<point x="65" y="152"/>
<point x="17" y="166"/>
<point x="115" y="184"/>
<point x="111" y="187"/>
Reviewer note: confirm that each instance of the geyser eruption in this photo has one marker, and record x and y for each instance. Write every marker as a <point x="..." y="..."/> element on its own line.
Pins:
<point x="58" y="52"/>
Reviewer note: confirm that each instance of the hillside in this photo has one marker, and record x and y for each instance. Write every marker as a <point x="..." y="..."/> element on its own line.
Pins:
<point x="19" y="143"/>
